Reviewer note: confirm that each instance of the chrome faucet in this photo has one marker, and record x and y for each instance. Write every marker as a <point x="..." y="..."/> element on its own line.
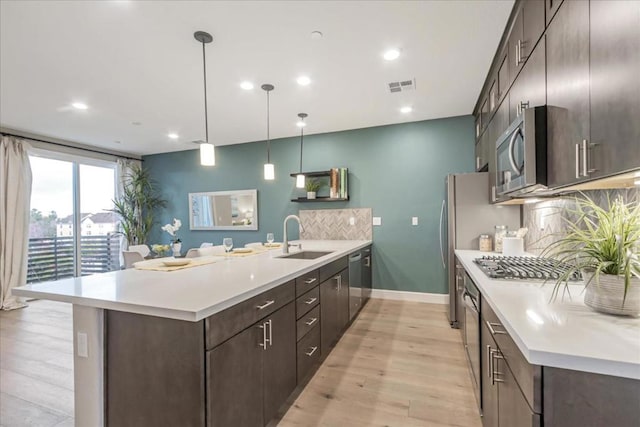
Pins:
<point x="285" y="241"/>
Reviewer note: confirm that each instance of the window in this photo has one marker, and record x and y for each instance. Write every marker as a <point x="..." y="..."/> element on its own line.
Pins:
<point x="67" y="189"/>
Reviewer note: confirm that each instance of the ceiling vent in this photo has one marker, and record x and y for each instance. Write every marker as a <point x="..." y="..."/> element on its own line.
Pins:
<point x="402" y="86"/>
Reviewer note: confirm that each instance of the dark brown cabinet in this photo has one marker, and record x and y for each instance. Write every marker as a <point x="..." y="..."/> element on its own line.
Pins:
<point x="615" y="86"/>
<point x="503" y="78"/>
<point x="513" y="409"/>
<point x="482" y="151"/>
<point x="489" y="388"/>
<point x="527" y="28"/>
<point x="334" y="309"/>
<point x="568" y="118"/>
<point x="498" y="125"/>
<point x="529" y="90"/>
<point x="249" y="376"/>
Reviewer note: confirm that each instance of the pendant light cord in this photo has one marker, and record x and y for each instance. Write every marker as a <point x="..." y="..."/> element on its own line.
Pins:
<point x="301" y="144"/>
<point x="268" y="140"/>
<point x="206" y="121"/>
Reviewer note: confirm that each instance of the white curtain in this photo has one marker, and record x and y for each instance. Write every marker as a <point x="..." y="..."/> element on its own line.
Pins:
<point x="123" y="172"/>
<point x="15" y="200"/>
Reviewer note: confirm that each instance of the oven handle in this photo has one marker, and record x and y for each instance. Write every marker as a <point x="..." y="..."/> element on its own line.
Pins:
<point x="473" y="304"/>
<point x="512" y="155"/>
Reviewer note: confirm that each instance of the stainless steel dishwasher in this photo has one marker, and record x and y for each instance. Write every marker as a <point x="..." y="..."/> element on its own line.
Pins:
<point x="355" y="283"/>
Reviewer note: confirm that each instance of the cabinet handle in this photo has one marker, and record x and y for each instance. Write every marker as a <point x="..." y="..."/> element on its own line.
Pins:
<point x="489" y="362"/>
<point x="367" y="261"/>
<point x="311" y="321"/>
<point x="263" y="344"/>
<point x="493" y="331"/>
<point x="270" y="323"/>
<point x="265" y="305"/>
<point x="523" y="106"/>
<point x="517" y="47"/>
<point x="585" y="158"/>
<point x="495" y="354"/>
<point x="313" y="350"/>
<point x="338" y="279"/>
<point x="311" y="300"/>
<point x="577" y="160"/>
<point x="493" y="193"/>
<point x="310" y="281"/>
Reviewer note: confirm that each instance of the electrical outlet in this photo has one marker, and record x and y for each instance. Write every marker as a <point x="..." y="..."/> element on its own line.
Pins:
<point x="377" y="220"/>
<point x="414" y="220"/>
<point x="83" y="345"/>
<point x="352" y="221"/>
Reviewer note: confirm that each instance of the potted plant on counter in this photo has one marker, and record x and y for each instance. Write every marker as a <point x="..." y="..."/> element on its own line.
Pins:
<point x="604" y="245"/>
<point x="312" y="186"/>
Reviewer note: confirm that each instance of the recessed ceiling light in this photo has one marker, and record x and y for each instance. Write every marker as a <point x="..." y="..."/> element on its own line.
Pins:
<point x="301" y="124"/>
<point x="173" y="136"/>
<point x="303" y="80"/>
<point x="406" y="110"/>
<point x="79" y="106"/>
<point x="316" y="35"/>
<point x="391" y="54"/>
<point x="136" y="123"/>
<point x="246" y="85"/>
<point x="118" y="142"/>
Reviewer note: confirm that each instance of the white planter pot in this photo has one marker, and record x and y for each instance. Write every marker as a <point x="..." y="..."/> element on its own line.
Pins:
<point x="606" y="295"/>
<point x="311" y="194"/>
<point x="176" y="247"/>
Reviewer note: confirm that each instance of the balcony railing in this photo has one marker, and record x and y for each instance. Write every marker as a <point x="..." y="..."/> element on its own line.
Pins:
<point x="51" y="258"/>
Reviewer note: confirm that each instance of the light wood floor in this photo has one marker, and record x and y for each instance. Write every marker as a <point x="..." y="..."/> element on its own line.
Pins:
<point x="398" y="365"/>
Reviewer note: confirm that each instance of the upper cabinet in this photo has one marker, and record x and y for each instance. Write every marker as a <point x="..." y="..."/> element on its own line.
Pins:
<point x="568" y="94"/>
<point x="551" y="7"/>
<point x="615" y="86"/>
<point x="527" y="28"/>
<point x="529" y="90"/>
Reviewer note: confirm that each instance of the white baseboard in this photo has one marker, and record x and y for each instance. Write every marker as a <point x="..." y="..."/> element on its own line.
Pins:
<point x="410" y="296"/>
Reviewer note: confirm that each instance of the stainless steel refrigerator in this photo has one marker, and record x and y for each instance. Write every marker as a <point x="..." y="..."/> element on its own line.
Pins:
<point x="468" y="214"/>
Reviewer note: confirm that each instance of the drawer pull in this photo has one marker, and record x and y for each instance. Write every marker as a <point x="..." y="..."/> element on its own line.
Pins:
<point x="311" y="300"/>
<point x="266" y="304"/>
<point x="493" y="331"/>
<point x="310" y="281"/>
<point x="311" y="321"/>
<point x="313" y="350"/>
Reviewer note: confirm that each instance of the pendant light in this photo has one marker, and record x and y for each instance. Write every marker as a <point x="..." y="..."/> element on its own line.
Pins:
<point x="207" y="151"/>
<point x="302" y="124"/>
<point x="269" y="169"/>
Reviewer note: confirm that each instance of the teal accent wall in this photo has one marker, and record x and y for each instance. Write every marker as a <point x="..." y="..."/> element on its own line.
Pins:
<point x="397" y="170"/>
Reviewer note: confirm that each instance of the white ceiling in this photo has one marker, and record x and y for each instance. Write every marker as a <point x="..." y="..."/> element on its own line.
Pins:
<point x="138" y="62"/>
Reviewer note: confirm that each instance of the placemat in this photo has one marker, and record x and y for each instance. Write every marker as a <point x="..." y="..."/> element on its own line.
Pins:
<point x="156" y="265"/>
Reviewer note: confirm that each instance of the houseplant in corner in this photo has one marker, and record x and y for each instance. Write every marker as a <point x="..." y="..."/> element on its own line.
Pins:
<point x="312" y="186"/>
<point x="136" y="205"/>
<point x="603" y="244"/>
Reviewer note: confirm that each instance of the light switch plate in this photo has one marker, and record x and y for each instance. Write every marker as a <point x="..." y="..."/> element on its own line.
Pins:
<point x="377" y="220"/>
<point x="414" y="220"/>
<point x="83" y="346"/>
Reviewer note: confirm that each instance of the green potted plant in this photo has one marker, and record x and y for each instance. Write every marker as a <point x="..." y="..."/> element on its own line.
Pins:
<point x="136" y="205"/>
<point x="312" y="186"/>
<point x="604" y="245"/>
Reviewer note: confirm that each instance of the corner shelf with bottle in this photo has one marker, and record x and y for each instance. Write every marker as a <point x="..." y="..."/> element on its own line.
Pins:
<point x="338" y="183"/>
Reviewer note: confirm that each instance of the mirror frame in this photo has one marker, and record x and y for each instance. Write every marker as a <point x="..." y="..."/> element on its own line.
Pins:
<point x="252" y="227"/>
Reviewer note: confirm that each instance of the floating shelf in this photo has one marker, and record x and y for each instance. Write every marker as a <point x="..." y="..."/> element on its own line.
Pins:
<point x="320" y="199"/>
<point x="311" y="174"/>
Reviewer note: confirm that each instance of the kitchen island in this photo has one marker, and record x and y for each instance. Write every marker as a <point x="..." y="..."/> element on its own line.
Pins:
<point x="552" y="362"/>
<point x="156" y="348"/>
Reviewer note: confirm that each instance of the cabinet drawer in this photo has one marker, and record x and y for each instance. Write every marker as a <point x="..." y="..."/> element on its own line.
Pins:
<point x="222" y="326"/>
<point x="308" y="322"/>
<point x="308" y="353"/>
<point x="331" y="269"/>
<point x="307" y="301"/>
<point x="527" y="376"/>
<point x="306" y="282"/>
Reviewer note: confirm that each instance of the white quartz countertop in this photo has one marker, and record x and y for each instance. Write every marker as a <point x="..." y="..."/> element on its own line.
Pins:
<point x="192" y="293"/>
<point x="564" y="333"/>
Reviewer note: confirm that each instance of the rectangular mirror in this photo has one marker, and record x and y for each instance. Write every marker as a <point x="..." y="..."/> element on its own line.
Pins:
<point x="224" y="210"/>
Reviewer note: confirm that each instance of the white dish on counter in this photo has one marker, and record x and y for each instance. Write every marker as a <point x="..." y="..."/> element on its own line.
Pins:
<point x="177" y="262"/>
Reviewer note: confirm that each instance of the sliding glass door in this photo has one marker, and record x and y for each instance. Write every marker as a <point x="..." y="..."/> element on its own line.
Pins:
<point x="71" y="232"/>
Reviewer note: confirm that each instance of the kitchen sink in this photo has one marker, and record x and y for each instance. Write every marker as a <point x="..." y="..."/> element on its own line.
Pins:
<point x="305" y="255"/>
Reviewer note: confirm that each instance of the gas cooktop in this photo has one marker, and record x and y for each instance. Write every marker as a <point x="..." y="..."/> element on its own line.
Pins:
<point x="523" y="268"/>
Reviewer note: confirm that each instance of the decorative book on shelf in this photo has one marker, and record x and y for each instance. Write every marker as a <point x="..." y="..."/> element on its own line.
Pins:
<point x="338" y="184"/>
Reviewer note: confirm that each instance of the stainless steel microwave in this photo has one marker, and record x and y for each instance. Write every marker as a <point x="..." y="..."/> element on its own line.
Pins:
<point x="521" y="154"/>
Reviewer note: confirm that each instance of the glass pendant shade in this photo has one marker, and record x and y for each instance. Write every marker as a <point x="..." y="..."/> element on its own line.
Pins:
<point x="207" y="154"/>
<point x="300" y="181"/>
<point x="269" y="172"/>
